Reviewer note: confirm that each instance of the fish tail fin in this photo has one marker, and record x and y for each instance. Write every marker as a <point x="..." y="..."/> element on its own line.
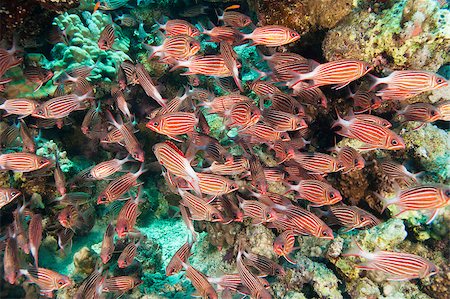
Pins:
<point x="384" y="201"/>
<point x="375" y="81"/>
<point x="112" y="120"/>
<point x="354" y="249"/>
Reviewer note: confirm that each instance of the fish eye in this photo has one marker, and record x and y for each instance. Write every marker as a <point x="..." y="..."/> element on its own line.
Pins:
<point x="13" y="193"/>
<point x="331" y="195"/>
<point x="293" y="34"/>
<point x="439" y="80"/>
<point x="214" y="216"/>
<point x="362" y="218"/>
<point x="324" y="233"/>
<point x="103" y="198"/>
<point x="367" y="67"/>
<point x="447" y="192"/>
<point x="155" y="123"/>
<point x="40" y="112"/>
<point x="282" y="246"/>
<point x="42" y="161"/>
<point x="394" y="142"/>
<point x="268" y="215"/>
<point x="433" y="113"/>
<point x="60" y="282"/>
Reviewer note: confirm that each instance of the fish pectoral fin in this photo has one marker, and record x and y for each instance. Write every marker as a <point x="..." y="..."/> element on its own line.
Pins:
<point x="433" y="215"/>
<point x="340" y="86"/>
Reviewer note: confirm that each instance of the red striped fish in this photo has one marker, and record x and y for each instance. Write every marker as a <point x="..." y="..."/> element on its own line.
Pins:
<point x="113" y="136"/>
<point x="238" y="166"/>
<point x="11" y="260"/>
<point x="317" y="192"/>
<point x="199" y="208"/>
<point x="279" y="58"/>
<point x="224" y="103"/>
<point x="108" y="168"/>
<point x="424" y="197"/>
<point x="213" y="184"/>
<point x="177" y="27"/>
<point x="171" y="158"/>
<point x="317" y="162"/>
<point x="21" y="107"/>
<point x="350" y="159"/>
<point x="129" y="69"/>
<point x="107" y="248"/>
<point x="286" y="71"/>
<point x="7" y="195"/>
<point x="263" y="133"/>
<point x="397" y="266"/>
<point x="179" y="47"/>
<point x="182" y="254"/>
<point x="47" y="280"/>
<point x="422" y="112"/>
<point x="256" y="288"/>
<point x="37" y="75"/>
<point x="338" y="73"/>
<point x="222" y="34"/>
<point x="283" y="121"/>
<point x="263" y="88"/>
<point x="121" y="101"/>
<point x="364" y="101"/>
<point x="373" y="135"/>
<point x="242" y="115"/>
<point x="23" y="162"/>
<point x="35" y="236"/>
<point x="264" y="265"/>
<point x="92" y="286"/>
<point x="126" y="220"/>
<point x="69" y="217"/>
<point x="444" y="109"/>
<point x="130" y="141"/>
<point x="272" y="36"/>
<point x="199" y="281"/>
<point x="211" y="147"/>
<point x="61" y="107"/>
<point x="312" y="96"/>
<point x="147" y="84"/>
<point x="10" y="58"/>
<point x="119" y="186"/>
<point x="127" y="256"/>
<point x="350" y="217"/>
<point x="398" y="172"/>
<point x="286" y="103"/>
<point x="173" y="124"/>
<point x="107" y="38"/>
<point x="230" y="59"/>
<point x="28" y="144"/>
<point x="369" y="118"/>
<point x="406" y="84"/>
<point x="284" y="245"/>
<point x="259" y="212"/>
<point x="259" y="181"/>
<point x="120" y="284"/>
<point x="234" y="19"/>
<point x="208" y="65"/>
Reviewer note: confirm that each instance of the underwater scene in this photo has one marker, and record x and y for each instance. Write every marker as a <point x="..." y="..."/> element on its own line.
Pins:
<point x="224" y="149"/>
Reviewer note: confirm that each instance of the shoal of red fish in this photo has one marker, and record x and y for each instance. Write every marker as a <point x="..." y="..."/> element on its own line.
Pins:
<point x="219" y="187"/>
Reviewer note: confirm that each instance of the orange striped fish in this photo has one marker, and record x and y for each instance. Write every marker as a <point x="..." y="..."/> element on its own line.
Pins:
<point x="37" y="75"/>
<point x="208" y="65"/>
<point x="173" y="124"/>
<point x="397" y="266"/>
<point x="242" y="115"/>
<point x="107" y="248"/>
<point x="199" y="208"/>
<point x="364" y="101"/>
<point x="422" y="112"/>
<point x="259" y="181"/>
<point x="263" y="265"/>
<point x="61" y="107"/>
<point x="263" y="133"/>
<point x="222" y="34"/>
<point x="92" y="286"/>
<point x="178" y="27"/>
<point x="263" y="88"/>
<point x="398" y="172"/>
<point x="286" y="71"/>
<point x="212" y="148"/>
<point x="259" y="212"/>
<point x="35" y="236"/>
<point x="350" y="159"/>
<point x="279" y="58"/>
<point x="350" y="217"/>
<point x="369" y="118"/>
<point x="120" y="284"/>
<point x="213" y="184"/>
<point x="312" y="96"/>
<point x="444" y="109"/>
<point x="119" y="186"/>
<point x="20" y="107"/>
<point x="317" y="162"/>
<point x="22" y="162"/>
<point x="179" y="47"/>
<point x="147" y="84"/>
<point x="286" y="103"/>
<point x="70" y="217"/>
<point x="424" y="197"/>
<point x="373" y="135"/>
<point x="230" y="59"/>
<point x="172" y="159"/>
<point x="130" y="141"/>
<point x="238" y="166"/>
<point x="272" y="36"/>
<point x="7" y="195"/>
<point x="224" y="103"/>
<point x="234" y="19"/>
<point x="283" y="121"/>
<point x="107" y="38"/>
<point x="338" y="73"/>
<point x="317" y="192"/>
<point x="199" y="281"/>
<point x="182" y="254"/>
<point x="91" y="118"/>
<point x="121" y="101"/>
<point x="11" y="260"/>
<point x="407" y="84"/>
<point x="47" y="280"/>
<point x="252" y="282"/>
<point x="108" y="168"/>
<point x="113" y="136"/>
<point x="127" y="256"/>
<point x="126" y="220"/>
<point x="284" y="245"/>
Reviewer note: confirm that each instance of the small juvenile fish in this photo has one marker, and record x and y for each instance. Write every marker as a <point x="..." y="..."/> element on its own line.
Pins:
<point x="200" y="209"/>
<point x="61" y="107"/>
<point x="407" y="84"/>
<point x="398" y="172"/>
<point x="111" y="4"/>
<point x="284" y="245"/>
<point x="182" y="254"/>
<point x="119" y="186"/>
<point x="177" y="27"/>
<point x="126" y="220"/>
<point x="107" y="248"/>
<point x="35" y="236"/>
<point x="234" y="19"/>
<point x="20" y="107"/>
<point x="425" y="197"/>
<point x="171" y="158"/>
<point x="126" y="20"/>
<point x="338" y="73"/>
<point x="7" y="195"/>
<point x="107" y="168"/>
<point x="272" y="36"/>
<point x="178" y="47"/>
<point x="47" y="280"/>
<point x="147" y="84"/>
<point x="317" y="192"/>
<point x="397" y="266"/>
<point x="22" y="162"/>
<point x="173" y="124"/>
<point x="107" y="38"/>
<point x="317" y="162"/>
<point x="120" y="284"/>
<point x="127" y="256"/>
<point x="422" y="112"/>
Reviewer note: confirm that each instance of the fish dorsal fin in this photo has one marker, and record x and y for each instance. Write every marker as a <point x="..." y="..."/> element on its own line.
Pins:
<point x="175" y="148"/>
